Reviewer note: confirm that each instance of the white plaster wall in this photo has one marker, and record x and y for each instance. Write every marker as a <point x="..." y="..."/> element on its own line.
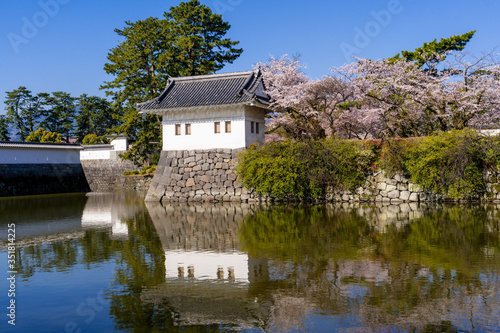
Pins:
<point x="203" y="136"/>
<point x="95" y="154"/>
<point x="39" y="156"/>
<point x="206" y="264"/>
<point x="202" y="128"/>
<point x="120" y="143"/>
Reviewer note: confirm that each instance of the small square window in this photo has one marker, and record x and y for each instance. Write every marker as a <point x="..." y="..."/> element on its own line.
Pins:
<point x="252" y="126"/>
<point x="217" y="127"/>
<point x="188" y="129"/>
<point x="257" y="128"/>
<point x="228" y="126"/>
<point x="177" y="129"/>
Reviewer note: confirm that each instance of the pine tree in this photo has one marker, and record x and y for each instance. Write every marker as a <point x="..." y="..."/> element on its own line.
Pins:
<point x="429" y="55"/>
<point x="188" y="41"/>
<point x="4" y="128"/>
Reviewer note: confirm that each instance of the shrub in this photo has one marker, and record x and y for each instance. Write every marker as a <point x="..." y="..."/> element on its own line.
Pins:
<point x="40" y="135"/>
<point x="450" y="163"/>
<point x="148" y="169"/>
<point x="302" y="170"/>
<point x="93" y="139"/>
<point x="155" y="158"/>
<point x="128" y="173"/>
<point x="394" y="154"/>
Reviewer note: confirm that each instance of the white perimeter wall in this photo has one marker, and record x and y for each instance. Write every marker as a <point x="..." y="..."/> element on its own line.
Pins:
<point x="202" y="122"/>
<point x="39" y="156"/>
<point x="95" y="154"/>
<point x="119" y="144"/>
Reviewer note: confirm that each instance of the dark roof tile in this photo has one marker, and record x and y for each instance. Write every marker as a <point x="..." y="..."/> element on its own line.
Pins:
<point x="205" y="90"/>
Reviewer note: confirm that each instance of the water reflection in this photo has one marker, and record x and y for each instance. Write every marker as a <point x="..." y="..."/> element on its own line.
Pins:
<point x="239" y="267"/>
<point x="385" y="267"/>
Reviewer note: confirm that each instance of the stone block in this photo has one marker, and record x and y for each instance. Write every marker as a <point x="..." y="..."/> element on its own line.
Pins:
<point x="218" y="165"/>
<point x="231" y="176"/>
<point x="393" y="194"/>
<point x="402" y="186"/>
<point x="176" y="176"/>
<point x="404" y="195"/>
<point x="391" y="188"/>
<point x="189" y="160"/>
<point x="190" y="182"/>
<point x="206" y="178"/>
<point x="413" y="197"/>
<point x="228" y="183"/>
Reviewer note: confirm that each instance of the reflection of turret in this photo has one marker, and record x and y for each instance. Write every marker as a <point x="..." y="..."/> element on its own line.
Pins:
<point x="206" y="238"/>
<point x="208" y="277"/>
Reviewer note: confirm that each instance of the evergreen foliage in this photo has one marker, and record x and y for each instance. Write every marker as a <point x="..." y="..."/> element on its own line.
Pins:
<point x="430" y="54"/>
<point x="291" y="170"/>
<point x="40" y="135"/>
<point x="93" y="139"/>
<point x="188" y="41"/>
<point x="4" y="128"/>
<point x="450" y="163"/>
<point x="95" y="116"/>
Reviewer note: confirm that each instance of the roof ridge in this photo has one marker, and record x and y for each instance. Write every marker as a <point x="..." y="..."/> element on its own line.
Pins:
<point x="212" y="76"/>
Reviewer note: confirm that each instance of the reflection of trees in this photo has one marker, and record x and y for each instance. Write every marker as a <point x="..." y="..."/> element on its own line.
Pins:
<point x="140" y="264"/>
<point x="433" y="269"/>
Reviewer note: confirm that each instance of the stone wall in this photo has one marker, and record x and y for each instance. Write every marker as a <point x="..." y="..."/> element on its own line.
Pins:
<point x="29" y="179"/>
<point x="397" y="188"/>
<point x="197" y="175"/>
<point x="104" y="175"/>
<point x="134" y="182"/>
<point x="209" y="175"/>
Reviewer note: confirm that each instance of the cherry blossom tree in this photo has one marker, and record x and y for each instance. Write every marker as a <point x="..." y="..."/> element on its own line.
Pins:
<point x="383" y="98"/>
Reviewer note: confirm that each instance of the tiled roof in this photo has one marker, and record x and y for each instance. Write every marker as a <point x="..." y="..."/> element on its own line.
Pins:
<point x="39" y="145"/>
<point x="205" y="90"/>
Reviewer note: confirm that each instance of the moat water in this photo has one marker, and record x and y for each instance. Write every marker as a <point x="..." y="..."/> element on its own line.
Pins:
<point x="112" y="263"/>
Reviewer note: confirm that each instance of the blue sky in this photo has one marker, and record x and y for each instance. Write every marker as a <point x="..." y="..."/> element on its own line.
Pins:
<point x="61" y="45"/>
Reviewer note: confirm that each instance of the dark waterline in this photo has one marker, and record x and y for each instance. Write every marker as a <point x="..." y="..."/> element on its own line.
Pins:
<point x="112" y="263"/>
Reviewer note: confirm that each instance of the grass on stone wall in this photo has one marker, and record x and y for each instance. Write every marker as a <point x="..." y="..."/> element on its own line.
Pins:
<point x="291" y="170"/>
<point x="449" y="163"/>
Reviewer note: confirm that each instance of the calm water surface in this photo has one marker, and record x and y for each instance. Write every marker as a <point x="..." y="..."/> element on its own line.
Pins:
<point x="112" y="263"/>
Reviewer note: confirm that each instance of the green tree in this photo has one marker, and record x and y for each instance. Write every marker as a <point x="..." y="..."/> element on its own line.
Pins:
<point x="17" y="101"/>
<point x="188" y="41"/>
<point x="92" y="139"/>
<point x="95" y="117"/>
<point x="429" y="55"/>
<point x="4" y="128"/>
<point x="34" y="110"/>
<point x="40" y="135"/>
<point x="60" y="114"/>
